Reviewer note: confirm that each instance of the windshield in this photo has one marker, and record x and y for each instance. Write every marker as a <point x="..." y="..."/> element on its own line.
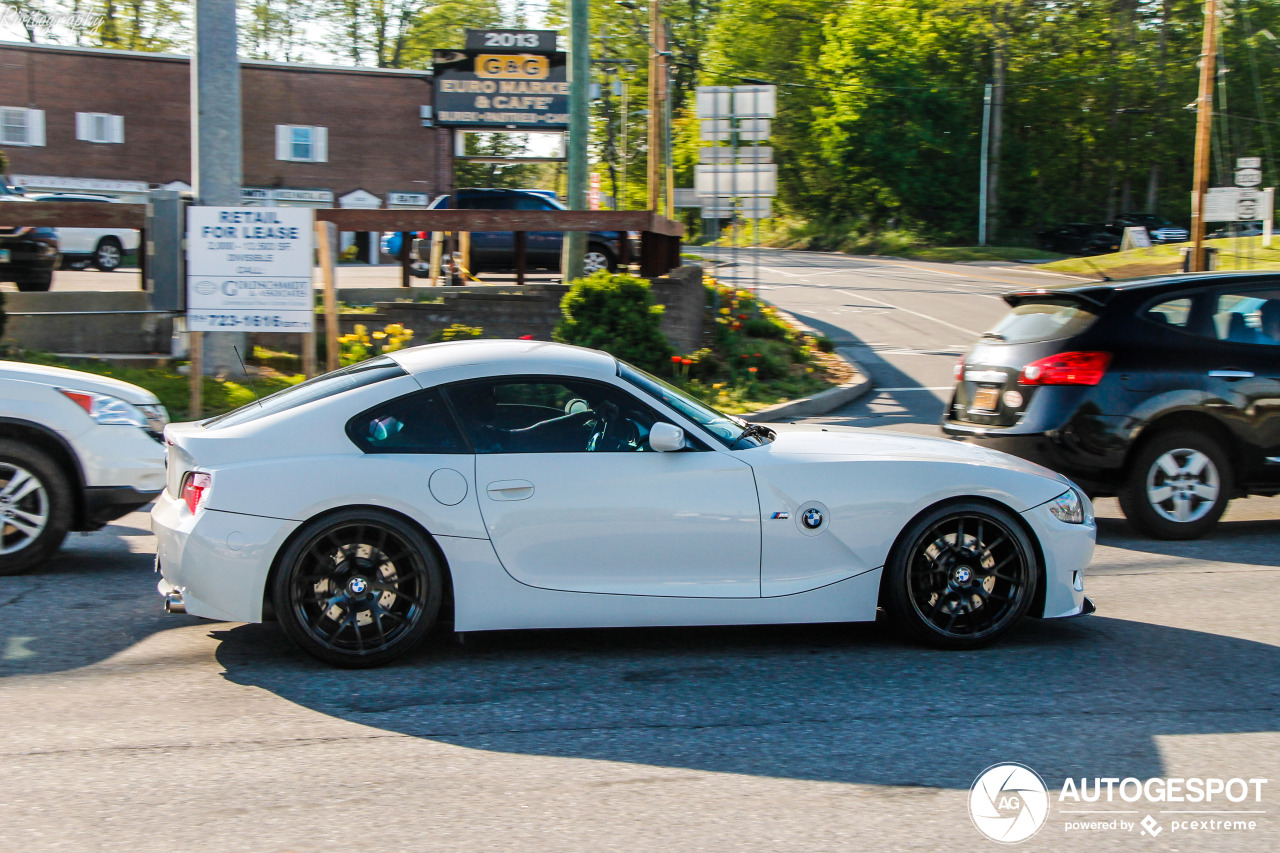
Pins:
<point x="726" y="428"/>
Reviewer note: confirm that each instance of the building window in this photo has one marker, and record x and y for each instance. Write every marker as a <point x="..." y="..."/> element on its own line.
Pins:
<point x="302" y="144"/>
<point x="99" y="127"/>
<point x="19" y="126"/>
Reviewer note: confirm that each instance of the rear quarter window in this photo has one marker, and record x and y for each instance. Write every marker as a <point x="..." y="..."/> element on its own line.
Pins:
<point x="355" y="376"/>
<point x="1043" y="321"/>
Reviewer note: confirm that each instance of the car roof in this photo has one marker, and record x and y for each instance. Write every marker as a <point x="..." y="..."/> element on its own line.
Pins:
<point x="532" y="357"/>
<point x="1100" y="292"/>
<point x="72" y="197"/>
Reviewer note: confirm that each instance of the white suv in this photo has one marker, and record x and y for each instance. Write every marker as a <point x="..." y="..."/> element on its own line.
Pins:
<point x="104" y="248"/>
<point x="76" y="451"/>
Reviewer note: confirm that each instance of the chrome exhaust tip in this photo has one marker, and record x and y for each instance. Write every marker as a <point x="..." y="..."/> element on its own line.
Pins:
<point x="173" y="603"/>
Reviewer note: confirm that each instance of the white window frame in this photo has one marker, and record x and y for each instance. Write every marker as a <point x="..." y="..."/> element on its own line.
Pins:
<point x="32" y="127"/>
<point x="318" y="143"/>
<point x="99" y="127"/>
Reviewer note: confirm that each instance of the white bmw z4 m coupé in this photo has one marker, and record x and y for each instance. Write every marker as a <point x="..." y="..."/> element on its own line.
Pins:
<point x="520" y="484"/>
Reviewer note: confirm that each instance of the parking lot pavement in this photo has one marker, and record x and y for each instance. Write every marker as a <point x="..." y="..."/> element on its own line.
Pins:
<point x="132" y="730"/>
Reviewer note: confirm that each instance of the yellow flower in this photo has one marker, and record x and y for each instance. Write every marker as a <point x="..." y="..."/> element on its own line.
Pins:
<point x="724" y="310"/>
<point x="808" y="370"/>
<point x="395" y="329"/>
<point x="718" y="385"/>
<point x="361" y="329"/>
<point x="378" y="336"/>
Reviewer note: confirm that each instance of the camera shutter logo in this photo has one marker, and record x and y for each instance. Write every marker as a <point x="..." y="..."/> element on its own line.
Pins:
<point x="1008" y="803"/>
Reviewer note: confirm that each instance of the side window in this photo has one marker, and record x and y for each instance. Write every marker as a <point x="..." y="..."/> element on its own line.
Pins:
<point x="1172" y="312"/>
<point x="1248" y="317"/>
<point x="550" y="415"/>
<point x="415" y="423"/>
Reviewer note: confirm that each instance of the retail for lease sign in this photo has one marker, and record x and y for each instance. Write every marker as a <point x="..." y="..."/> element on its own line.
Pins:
<point x="249" y="269"/>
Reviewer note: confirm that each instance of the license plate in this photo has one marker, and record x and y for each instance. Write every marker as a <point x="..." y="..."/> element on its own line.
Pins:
<point x="4" y="256"/>
<point x="986" y="398"/>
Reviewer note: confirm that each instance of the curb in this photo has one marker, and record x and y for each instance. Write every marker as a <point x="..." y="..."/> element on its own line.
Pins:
<point x="822" y="402"/>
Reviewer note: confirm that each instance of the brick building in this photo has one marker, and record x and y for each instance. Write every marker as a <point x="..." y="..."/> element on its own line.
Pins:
<point x="118" y="123"/>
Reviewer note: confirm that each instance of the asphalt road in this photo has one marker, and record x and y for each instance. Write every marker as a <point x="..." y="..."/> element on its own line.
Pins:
<point x="131" y="730"/>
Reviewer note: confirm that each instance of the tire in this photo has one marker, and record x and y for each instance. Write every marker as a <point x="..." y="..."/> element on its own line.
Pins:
<point x="108" y="254"/>
<point x="36" y="507"/>
<point x="353" y="565"/>
<point x="598" y="258"/>
<point x="1177" y="486"/>
<point x="35" y="282"/>
<point x="960" y="576"/>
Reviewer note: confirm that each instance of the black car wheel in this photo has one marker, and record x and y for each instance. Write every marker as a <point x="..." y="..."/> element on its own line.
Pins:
<point x="358" y="588"/>
<point x="35" y="282"/>
<point x="35" y="507"/>
<point x="598" y="259"/>
<point x="1177" y="486"/>
<point x="109" y="254"/>
<point x="961" y="576"/>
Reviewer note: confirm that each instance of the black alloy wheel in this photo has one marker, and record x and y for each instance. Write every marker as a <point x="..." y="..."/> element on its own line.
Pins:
<point x="962" y="576"/>
<point x="358" y="588"/>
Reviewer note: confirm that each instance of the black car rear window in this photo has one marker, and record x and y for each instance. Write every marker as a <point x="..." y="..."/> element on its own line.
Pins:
<point x="355" y="376"/>
<point x="1044" y="320"/>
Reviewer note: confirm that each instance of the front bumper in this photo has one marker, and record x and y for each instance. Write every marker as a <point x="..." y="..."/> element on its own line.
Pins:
<point x="217" y="561"/>
<point x="107" y="503"/>
<point x="1067" y="550"/>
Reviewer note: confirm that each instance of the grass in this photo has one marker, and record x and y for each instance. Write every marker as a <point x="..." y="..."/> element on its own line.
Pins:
<point x="951" y="254"/>
<point x="1234" y="254"/>
<point x="173" y="388"/>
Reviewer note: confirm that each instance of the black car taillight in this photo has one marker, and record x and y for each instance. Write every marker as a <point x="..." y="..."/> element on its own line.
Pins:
<point x="1066" y="368"/>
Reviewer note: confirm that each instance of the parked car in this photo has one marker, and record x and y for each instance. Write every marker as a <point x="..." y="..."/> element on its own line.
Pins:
<point x="104" y="248"/>
<point x="1160" y="229"/>
<point x="1080" y="238"/>
<point x="28" y="255"/>
<point x="1159" y="390"/>
<point x="76" y="451"/>
<point x="521" y="484"/>
<point x="495" y="250"/>
<point x="1237" y="229"/>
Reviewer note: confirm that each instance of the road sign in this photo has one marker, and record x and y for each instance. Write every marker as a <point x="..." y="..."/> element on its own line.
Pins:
<point x="722" y="130"/>
<point x="1248" y="205"/>
<point x="756" y="208"/>
<point x="1248" y="177"/>
<point x="249" y="268"/>
<point x="1248" y="162"/>
<point x="1234" y="204"/>
<point x="743" y="179"/>
<point x="737" y="101"/>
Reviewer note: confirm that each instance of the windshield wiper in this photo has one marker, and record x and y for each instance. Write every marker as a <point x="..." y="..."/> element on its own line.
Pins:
<point x="758" y="431"/>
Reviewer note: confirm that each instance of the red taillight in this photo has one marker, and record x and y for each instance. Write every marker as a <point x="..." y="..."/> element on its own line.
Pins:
<point x="195" y="488"/>
<point x="958" y="370"/>
<point x="1066" y="368"/>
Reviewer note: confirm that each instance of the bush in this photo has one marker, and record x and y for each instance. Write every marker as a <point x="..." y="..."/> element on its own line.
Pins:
<point x="456" y="332"/>
<point x="360" y="344"/>
<point x="615" y="313"/>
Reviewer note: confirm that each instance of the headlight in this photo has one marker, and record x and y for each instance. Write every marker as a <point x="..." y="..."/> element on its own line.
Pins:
<point x="1068" y="507"/>
<point x="157" y="417"/>
<point x="107" y="410"/>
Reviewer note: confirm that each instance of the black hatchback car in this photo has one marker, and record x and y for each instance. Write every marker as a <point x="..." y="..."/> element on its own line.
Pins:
<point x="1163" y="391"/>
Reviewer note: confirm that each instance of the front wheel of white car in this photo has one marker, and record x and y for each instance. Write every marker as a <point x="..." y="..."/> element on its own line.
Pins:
<point x="358" y="588"/>
<point x="36" y="506"/>
<point x="961" y="576"/>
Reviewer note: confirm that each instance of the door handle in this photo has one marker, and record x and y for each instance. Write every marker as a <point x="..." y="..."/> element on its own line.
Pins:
<point x="510" y="490"/>
<point x="1231" y="374"/>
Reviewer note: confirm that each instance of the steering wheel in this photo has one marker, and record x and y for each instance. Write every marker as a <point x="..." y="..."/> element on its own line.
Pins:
<point x="612" y="431"/>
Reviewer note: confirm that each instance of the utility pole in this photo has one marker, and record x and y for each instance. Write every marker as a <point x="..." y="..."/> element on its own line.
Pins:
<point x="982" y="167"/>
<point x="216" y="143"/>
<point x="999" y="62"/>
<point x="668" y="143"/>
<point x="655" y="143"/>
<point x="575" y="242"/>
<point x="1204" y="122"/>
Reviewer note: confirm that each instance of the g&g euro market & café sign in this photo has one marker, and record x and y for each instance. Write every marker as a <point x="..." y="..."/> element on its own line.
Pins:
<point x="249" y="268"/>
<point x="500" y="90"/>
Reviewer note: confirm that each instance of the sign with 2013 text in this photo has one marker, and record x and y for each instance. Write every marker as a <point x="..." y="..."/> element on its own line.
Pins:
<point x="249" y="269"/>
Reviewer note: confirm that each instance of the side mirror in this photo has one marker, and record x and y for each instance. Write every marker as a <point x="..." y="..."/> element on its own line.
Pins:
<point x="665" y="437"/>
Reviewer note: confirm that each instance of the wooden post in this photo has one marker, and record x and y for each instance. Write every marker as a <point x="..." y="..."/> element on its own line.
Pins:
<point x="309" y="349"/>
<point x="522" y="255"/>
<point x="464" y="251"/>
<point x="437" y="255"/>
<point x="404" y="258"/>
<point x="326" y="239"/>
<point x="196" y="341"/>
<point x="1204" y="122"/>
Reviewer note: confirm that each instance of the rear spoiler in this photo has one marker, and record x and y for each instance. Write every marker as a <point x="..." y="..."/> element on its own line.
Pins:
<point x="1094" y="297"/>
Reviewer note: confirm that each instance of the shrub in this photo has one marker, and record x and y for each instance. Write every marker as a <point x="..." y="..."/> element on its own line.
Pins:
<point x="615" y="313"/>
<point x="360" y="344"/>
<point x="456" y="332"/>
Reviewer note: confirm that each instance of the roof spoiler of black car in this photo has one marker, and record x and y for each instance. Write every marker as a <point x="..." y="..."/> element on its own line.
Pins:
<point x="1094" y="296"/>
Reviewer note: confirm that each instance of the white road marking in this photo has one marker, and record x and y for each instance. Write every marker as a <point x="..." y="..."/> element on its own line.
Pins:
<point x="970" y="332"/>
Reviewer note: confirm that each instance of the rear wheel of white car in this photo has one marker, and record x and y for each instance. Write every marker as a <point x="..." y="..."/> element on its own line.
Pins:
<point x="961" y="576"/>
<point x="358" y="588"/>
<point x="36" y="506"/>
<point x="109" y="254"/>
